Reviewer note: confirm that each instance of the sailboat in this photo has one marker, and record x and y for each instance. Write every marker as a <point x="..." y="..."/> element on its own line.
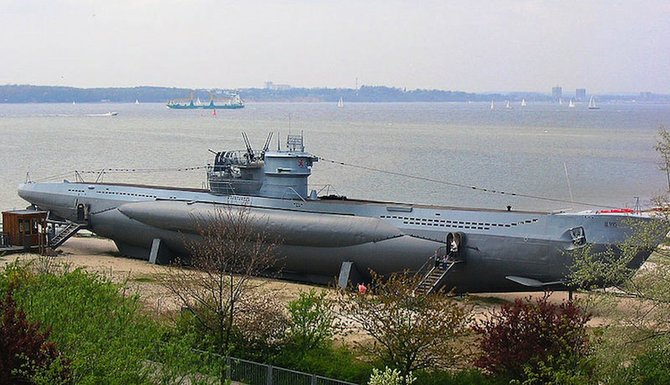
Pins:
<point x="523" y="102"/>
<point x="493" y="107"/>
<point x="137" y="101"/>
<point x="592" y="104"/>
<point x="507" y="105"/>
<point x="340" y="103"/>
<point x="572" y="104"/>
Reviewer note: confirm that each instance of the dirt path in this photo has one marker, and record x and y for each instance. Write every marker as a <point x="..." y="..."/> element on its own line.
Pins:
<point x="101" y="256"/>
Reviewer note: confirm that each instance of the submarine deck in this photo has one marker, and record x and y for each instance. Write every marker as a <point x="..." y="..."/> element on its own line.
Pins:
<point x="326" y="199"/>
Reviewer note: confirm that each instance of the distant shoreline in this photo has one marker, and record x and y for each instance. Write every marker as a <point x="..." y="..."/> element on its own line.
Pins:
<point x="20" y="94"/>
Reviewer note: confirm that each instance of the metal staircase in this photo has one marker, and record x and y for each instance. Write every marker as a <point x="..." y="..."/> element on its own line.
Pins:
<point x="434" y="279"/>
<point x="70" y="229"/>
<point x="434" y="272"/>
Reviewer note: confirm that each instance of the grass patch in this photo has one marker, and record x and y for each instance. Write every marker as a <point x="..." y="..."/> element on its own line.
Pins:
<point x="488" y="300"/>
<point x="144" y="279"/>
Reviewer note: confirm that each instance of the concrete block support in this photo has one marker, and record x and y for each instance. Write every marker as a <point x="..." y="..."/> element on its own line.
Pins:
<point x="155" y="246"/>
<point x="348" y="273"/>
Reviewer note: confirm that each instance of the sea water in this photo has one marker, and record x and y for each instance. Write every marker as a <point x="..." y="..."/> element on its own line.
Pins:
<point x="433" y="153"/>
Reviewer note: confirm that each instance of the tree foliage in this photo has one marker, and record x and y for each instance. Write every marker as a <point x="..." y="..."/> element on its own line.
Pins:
<point x="529" y="333"/>
<point x="616" y="266"/>
<point x="409" y="331"/>
<point x="637" y="302"/>
<point x="663" y="148"/>
<point x="226" y="252"/>
<point x="312" y="320"/>
<point x="260" y="327"/>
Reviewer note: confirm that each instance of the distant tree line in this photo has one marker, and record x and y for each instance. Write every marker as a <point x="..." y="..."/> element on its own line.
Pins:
<point x="370" y="94"/>
<point x="13" y="93"/>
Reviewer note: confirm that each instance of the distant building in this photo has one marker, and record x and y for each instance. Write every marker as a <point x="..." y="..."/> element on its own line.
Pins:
<point x="276" y="87"/>
<point x="580" y="94"/>
<point x="557" y="92"/>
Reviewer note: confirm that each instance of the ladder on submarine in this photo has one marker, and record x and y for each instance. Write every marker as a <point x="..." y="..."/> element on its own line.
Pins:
<point x="433" y="280"/>
<point x="70" y="229"/>
<point x="440" y="264"/>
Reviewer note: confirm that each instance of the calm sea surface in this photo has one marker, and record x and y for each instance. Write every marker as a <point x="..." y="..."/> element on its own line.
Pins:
<point x="608" y="153"/>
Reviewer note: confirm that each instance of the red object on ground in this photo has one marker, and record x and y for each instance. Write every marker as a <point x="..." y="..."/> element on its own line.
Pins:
<point x="362" y="289"/>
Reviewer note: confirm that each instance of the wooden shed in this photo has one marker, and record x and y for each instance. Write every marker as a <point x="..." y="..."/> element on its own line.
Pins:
<point x="24" y="227"/>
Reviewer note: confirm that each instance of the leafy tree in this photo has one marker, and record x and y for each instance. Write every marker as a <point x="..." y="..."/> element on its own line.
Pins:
<point x="260" y="327"/>
<point x="527" y="334"/>
<point x="312" y="320"/>
<point x="227" y="251"/>
<point x="636" y="305"/>
<point x="25" y="350"/>
<point x="639" y="309"/>
<point x="409" y="331"/>
<point x="663" y="148"/>
<point x="616" y="266"/>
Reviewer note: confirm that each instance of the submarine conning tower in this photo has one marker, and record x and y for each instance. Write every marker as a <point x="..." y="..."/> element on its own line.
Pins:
<point x="286" y="172"/>
<point x="272" y="174"/>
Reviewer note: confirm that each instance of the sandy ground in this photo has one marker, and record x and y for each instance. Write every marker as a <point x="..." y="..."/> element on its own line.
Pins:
<point x="101" y="256"/>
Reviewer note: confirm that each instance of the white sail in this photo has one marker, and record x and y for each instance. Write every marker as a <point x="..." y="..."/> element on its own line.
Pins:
<point x="523" y="102"/>
<point x="493" y="107"/>
<point x="592" y="104"/>
<point x="572" y="104"/>
<point x="340" y="103"/>
<point x="507" y="105"/>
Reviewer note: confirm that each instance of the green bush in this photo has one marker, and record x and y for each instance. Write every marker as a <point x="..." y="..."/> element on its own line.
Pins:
<point x="97" y="326"/>
<point x="462" y="377"/>
<point x="334" y="362"/>
<point x="564" y="370"/>
<point x="312" y="322"/>
<point x="651" y="367"/>
<point x="25" y="350"/>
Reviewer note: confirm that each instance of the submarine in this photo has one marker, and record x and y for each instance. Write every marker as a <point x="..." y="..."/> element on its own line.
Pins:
<point x="324" y="237"/>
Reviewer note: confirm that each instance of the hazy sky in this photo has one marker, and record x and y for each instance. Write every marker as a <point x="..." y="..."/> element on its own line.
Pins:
<point x="604" y="46"/>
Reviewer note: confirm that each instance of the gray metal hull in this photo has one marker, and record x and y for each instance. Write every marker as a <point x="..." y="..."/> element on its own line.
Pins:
<point x="319" y="235"/>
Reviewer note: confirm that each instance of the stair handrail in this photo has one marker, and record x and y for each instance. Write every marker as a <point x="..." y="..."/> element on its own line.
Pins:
<point x="440" y="252"/>
<point x="429" y="266"/>
<point x="64" y="234"/>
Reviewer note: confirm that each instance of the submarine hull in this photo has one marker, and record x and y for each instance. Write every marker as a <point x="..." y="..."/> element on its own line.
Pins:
<point x="315" y="237"/>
